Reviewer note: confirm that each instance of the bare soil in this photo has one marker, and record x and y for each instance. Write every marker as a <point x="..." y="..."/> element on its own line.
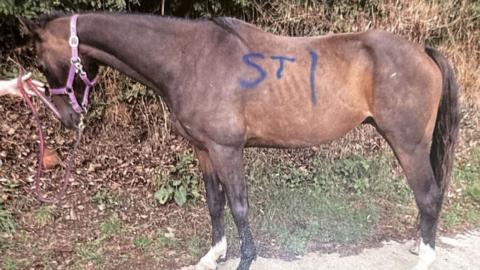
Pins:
<point x="460" y="252"/>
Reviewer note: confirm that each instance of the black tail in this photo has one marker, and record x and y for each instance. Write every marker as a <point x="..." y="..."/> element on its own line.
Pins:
<point x="446" y="127"/>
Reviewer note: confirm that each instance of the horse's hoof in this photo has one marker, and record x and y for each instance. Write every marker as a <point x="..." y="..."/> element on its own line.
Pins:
<point x="415" y="249"/>
<point x="245" y="263"/>
<point x="222" y="259"/>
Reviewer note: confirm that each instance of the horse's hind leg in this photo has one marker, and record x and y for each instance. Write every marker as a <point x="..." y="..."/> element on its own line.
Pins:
<point x="216" y="204"/>
<point x="413" y="152"/>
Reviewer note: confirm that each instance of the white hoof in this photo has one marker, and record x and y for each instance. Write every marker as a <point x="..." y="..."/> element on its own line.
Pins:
<point x="425" y="258"/>
<point x="415" y="247"/>
<point x="209" y="261"/>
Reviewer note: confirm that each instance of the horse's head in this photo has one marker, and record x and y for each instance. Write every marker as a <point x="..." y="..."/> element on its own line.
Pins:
<point x="70" y="72"/>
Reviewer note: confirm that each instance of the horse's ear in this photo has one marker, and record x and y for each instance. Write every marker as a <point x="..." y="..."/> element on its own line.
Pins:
<point x="28" y="27"/>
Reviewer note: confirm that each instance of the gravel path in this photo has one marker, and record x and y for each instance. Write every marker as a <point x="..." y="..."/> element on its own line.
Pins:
<point x="461" y="252"/>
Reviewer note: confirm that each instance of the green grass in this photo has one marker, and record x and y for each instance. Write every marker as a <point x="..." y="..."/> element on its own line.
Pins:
<point x="465" y="209"/>
<point x="92" y="252"/>
<point x="142" y="242"/>
<point x="88" y="253"/>
<point x="156" y="246"/>
<point x="162" y="241"/>
<point x="43" y="215"/>
<point x="473" y="192"/>
<point x="109" y="227"/>
<point x="9" y="264"/>
<point x="7" y="221"/>
<point x="462" y="211"/>
<point x="107" y="199"/>
<point x="355" y="175"/>
<point x="468" y="174"/>
<point x="330" y="201"/>
<point x="298" y="217"/>
<point x="335" y="200"/>
<point x="196" y="246"/>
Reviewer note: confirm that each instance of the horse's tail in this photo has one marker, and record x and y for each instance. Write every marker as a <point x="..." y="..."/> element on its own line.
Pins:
<point x="446" y="127"/>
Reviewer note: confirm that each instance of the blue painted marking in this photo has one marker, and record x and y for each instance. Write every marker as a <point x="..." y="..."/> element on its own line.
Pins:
<point x="262" y="74"/>
<point x="313" y="68"/>
<point x="282" y="60"/>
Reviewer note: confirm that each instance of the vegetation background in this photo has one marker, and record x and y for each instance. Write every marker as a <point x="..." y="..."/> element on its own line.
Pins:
<point x="137" y="186"/>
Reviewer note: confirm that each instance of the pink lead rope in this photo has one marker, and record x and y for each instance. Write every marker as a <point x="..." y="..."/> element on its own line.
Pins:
<point x="70" y="160"/>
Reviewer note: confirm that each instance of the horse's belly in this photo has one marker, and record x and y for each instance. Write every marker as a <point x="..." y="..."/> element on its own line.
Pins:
<point x="298" y="111"/>
<point x="301" y="127"/>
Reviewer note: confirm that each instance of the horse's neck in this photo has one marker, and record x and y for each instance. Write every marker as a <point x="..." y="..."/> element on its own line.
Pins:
<point x="145" y="48"/>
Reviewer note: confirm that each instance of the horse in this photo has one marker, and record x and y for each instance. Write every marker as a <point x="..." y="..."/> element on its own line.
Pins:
<point x="230" y="85"/>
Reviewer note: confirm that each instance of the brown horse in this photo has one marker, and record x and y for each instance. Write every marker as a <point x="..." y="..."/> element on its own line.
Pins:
<point x="230" y="85"/>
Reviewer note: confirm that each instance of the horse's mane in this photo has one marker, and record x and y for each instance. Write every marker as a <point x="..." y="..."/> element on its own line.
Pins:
<point x="46" y="18"/>
<point x="228" y="24"/>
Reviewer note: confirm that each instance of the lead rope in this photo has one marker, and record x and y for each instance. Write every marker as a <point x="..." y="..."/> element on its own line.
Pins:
<point x="39" y="194"/>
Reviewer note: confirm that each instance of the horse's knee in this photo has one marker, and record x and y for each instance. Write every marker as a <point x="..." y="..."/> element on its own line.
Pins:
<point x="216" y="213"/>
<point x="216" y="206"/>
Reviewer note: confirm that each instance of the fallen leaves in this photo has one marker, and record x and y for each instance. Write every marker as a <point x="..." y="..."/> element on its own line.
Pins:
<point x="50" y="158"/>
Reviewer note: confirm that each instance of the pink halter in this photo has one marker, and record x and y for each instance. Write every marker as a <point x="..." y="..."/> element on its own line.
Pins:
<point x="75" y="68"/>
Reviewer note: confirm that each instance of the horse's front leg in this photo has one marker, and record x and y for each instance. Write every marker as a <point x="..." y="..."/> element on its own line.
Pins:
<point x="228" y="164"/>
<point x="216" y="205"/>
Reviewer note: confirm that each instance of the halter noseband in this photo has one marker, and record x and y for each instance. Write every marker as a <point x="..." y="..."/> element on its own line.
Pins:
<point x="75" y="68"/>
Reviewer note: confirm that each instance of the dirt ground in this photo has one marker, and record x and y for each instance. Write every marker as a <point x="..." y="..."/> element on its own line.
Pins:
<point x="461" y="252"/>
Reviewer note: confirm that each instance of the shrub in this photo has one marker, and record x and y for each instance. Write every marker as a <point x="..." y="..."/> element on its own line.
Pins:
<point x="180" y="183"/>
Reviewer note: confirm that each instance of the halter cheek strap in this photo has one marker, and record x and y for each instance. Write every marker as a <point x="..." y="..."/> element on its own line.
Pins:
<point x="75" y="68"/>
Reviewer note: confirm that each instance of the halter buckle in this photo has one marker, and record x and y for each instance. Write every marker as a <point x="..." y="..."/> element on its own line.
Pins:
<point x="75" y="61"/>
<point x="73" y="41"/>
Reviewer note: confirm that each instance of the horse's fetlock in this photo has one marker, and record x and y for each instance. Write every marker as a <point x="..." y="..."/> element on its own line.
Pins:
<point x="250" y="253"/>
